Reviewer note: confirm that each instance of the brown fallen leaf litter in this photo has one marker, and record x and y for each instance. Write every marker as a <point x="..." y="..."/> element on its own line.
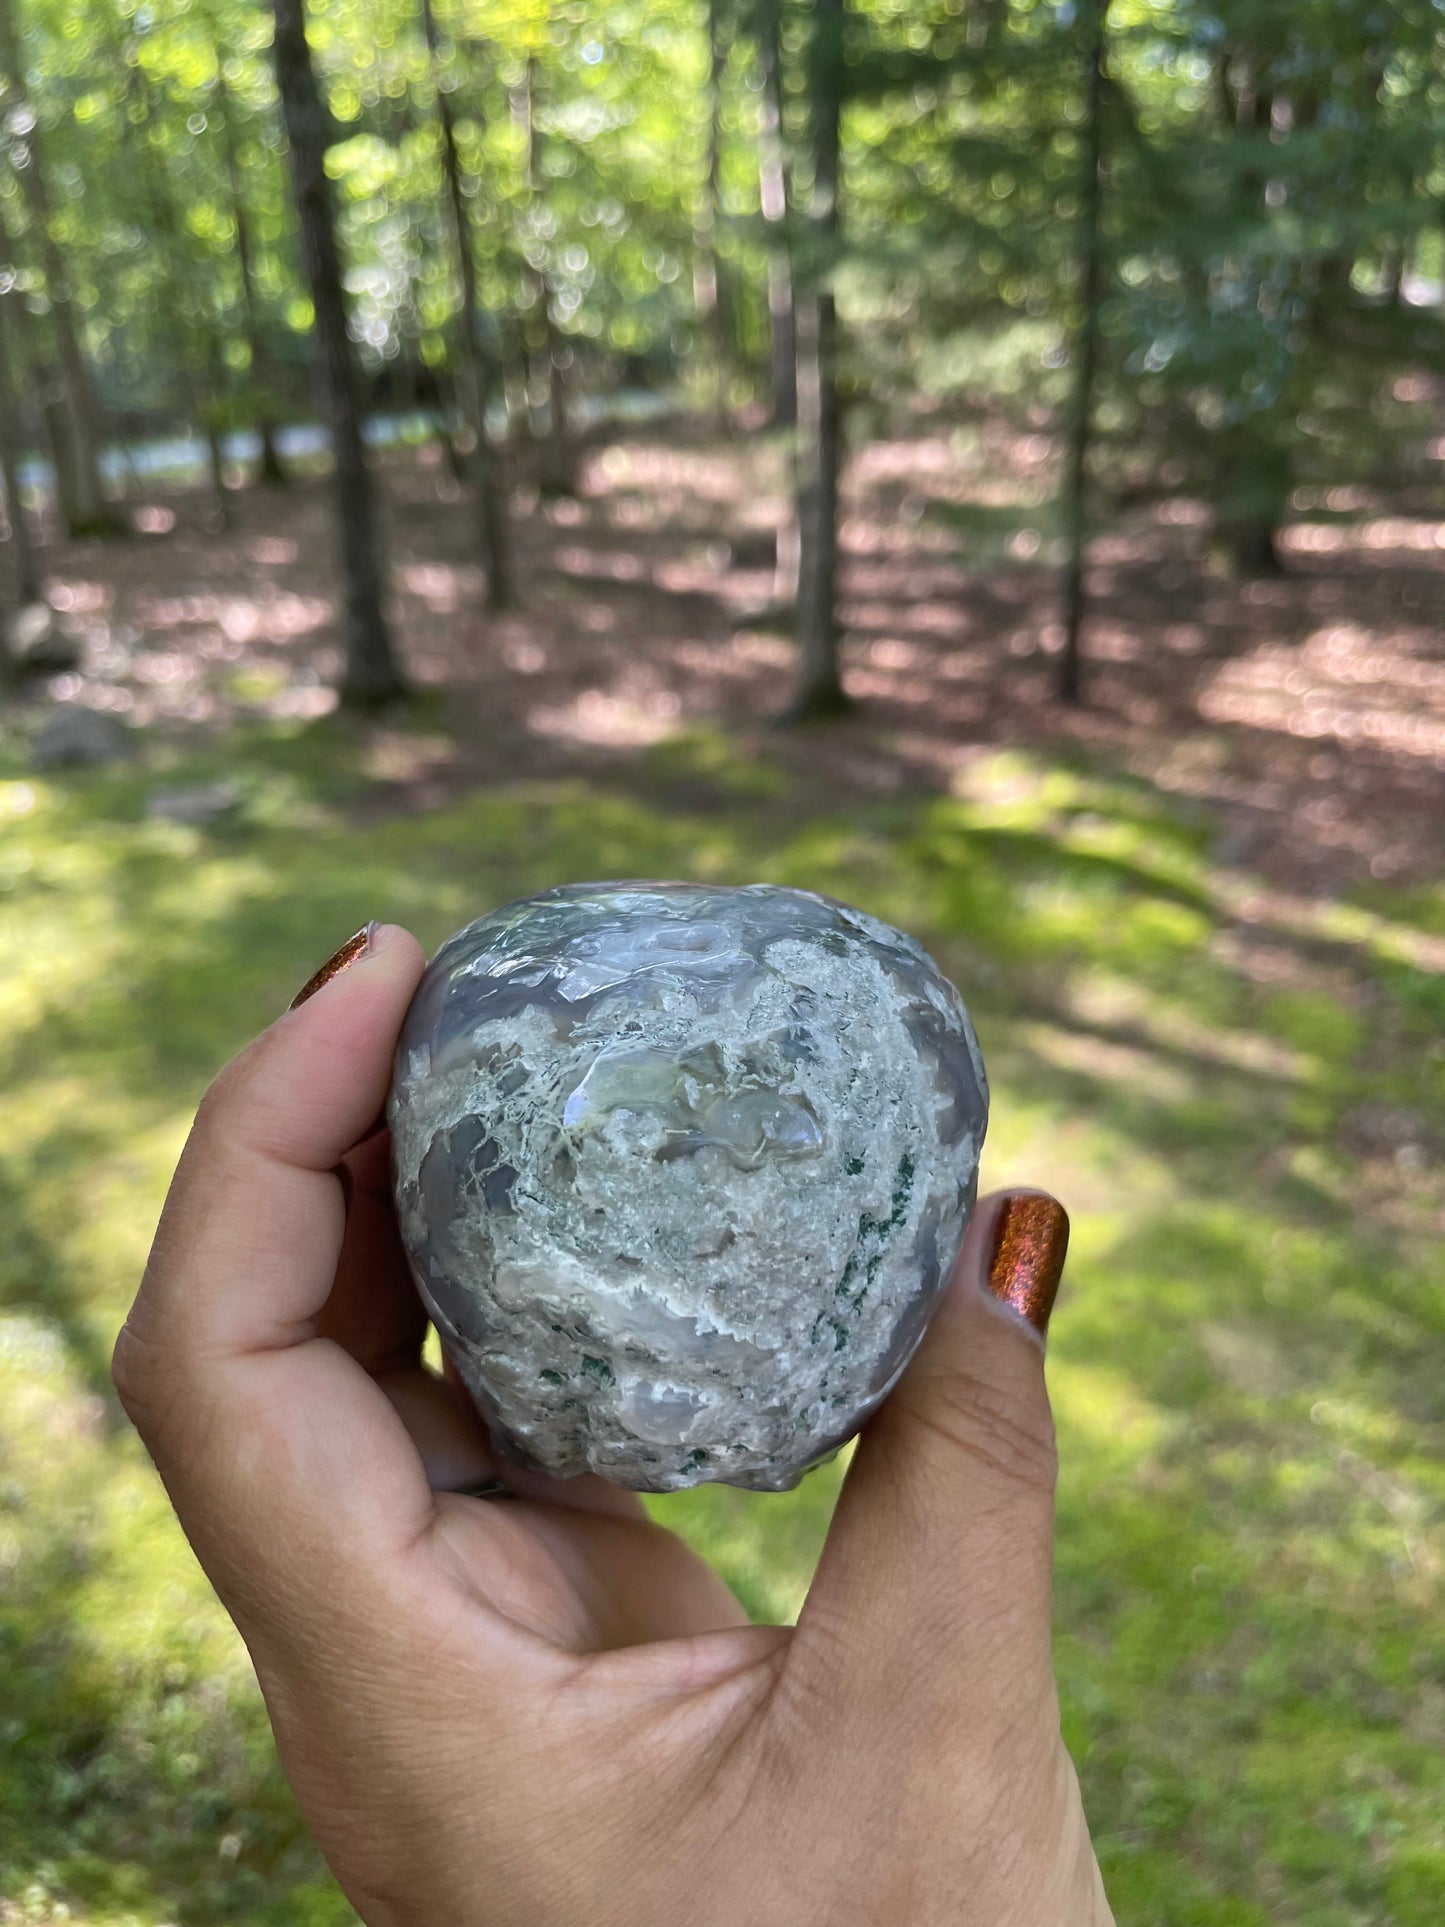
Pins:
<point x="1305" y="714"/>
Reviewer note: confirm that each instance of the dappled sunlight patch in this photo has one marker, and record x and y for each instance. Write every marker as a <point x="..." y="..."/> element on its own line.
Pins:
<point x="612" y="721"/>
<point x="1384" y="532"/>
<point x="404" y="756"/>
<point x="127" y="1667"/>
<point x="273" y="551"/>
<point x="1100" y="1410"/>
<point x="1105" y="1002"/>
<point x="1243" y="1356"/>
<point x="80" y="598"/>
<point x="153" y="520"/>
<point x="950" y="541"/>
<point x="442" y="587"/>
<point x="762" y="651"/>
<point x="1134" y="1067"/>
<point x="610" y="565"/>
<point x="1338" y="683"/>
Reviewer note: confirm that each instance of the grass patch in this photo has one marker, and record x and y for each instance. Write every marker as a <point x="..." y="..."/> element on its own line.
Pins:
<point x="1243" y="1362"/>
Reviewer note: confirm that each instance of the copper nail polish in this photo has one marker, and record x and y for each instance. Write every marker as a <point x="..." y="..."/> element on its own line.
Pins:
<point x="347" y="955"/>
<point x="1028" y="1256"/>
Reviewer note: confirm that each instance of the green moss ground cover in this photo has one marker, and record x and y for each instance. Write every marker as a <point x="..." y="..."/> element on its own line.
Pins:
<point x="1245" y="1364"/>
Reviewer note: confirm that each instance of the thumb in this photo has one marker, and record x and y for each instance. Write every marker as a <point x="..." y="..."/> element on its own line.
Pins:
<point x="936" y="1575"/>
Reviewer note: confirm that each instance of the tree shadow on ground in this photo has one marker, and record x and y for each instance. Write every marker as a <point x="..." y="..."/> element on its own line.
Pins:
<point x="1305" y="713"/>
<point x="1184" y="1047"/>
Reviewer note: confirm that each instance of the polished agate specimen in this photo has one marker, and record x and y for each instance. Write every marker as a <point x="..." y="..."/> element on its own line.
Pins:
<point x="681" y="1171"/>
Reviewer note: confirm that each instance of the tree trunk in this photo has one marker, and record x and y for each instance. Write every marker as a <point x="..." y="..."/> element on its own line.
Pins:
<point x="199" y="392"/>
<point x="820" y="689"/>
<point x="271" y="471"/>
<point x="474" y="374"/>
<point x="371" y="673"/>
<point x="27" y="572"/>
<point x="83" y="502"/>
<point x="37" y="372"/>
<point x="87" y="510"/>
<point x="1084" y="356"/>
<point x="1253" y="481"/>
<point x="715" y="325"/>
<point x="556" y="464"/>
<point x="1393" y="271"/>
<point x="775" y="195"/>
<point x="216" y="463"/>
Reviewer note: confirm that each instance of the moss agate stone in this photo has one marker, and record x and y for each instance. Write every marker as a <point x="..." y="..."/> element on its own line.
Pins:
<point x="681" y="1171"/>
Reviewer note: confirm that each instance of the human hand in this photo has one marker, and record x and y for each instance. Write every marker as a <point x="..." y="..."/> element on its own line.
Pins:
<point x="547" y="1711"/>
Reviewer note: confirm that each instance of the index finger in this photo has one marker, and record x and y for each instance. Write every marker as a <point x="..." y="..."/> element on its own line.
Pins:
<point x="267" y="1434"/>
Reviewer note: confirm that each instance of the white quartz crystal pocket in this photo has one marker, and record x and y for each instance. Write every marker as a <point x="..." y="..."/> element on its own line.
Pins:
<point x="681" y="1171"/>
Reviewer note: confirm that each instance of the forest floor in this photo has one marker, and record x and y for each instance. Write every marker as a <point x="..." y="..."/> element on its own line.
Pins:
<point x="1306" y="712"/>
<point x="1201" y="923"/>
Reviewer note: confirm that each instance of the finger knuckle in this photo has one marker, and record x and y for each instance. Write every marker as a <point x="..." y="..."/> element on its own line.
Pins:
<point x="136" y="1373"/>
<point x="225" y="1088"/>
<point x="986" y="1425"/>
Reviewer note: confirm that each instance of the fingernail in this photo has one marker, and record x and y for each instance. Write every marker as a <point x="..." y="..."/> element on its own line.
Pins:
<point x="345" y="957"/>
<point x="1028" y="1256"/>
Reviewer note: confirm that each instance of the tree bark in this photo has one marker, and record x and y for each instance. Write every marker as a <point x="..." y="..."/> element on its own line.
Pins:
<point x="199" y="392"/>
<point x="556" y="466"/>
<point x="475" y="372"/>
<point x="37" y="369"/>
<point x="775" y="197"/>
<point x="1084" y="356"/>
<point x="84" y="505"/>
<point x="709" y="299"/>
<point x="271" y="470"/>
<point x="27" y="572"/>
<point x="820" y="690"/>
<point x="371" y="674"/>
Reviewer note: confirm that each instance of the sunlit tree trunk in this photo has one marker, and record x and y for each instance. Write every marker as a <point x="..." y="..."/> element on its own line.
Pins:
<point x="1084" y="354"/>
<point x="84" y="506"/>
<point x="371" y="674"/>
<point x="474" y="374"/>
<point x="271" y="471"/>
<point x="820" y="689"/>
<point x="775" y="196"/>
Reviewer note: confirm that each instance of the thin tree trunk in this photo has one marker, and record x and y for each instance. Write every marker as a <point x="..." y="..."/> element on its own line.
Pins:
<point x="36" y="367"/>
<point x="271" y="470"/>
<point x="475" y="383"/>
<point x="371" y="674"/>
<point x="1084" y="356"/>
<point x="708" y="296"/>
<point x="555" y="456"/>
<point x="820" y="688"/>
<point x="83" y="500"/>
<point x="199" y="393"/>
<point x="985" y="17"/>
<point x="216" y="466"/>
<point x="27" y="572"/>
<point x="1393" y="270"/>
<point x="775" y="196"/>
